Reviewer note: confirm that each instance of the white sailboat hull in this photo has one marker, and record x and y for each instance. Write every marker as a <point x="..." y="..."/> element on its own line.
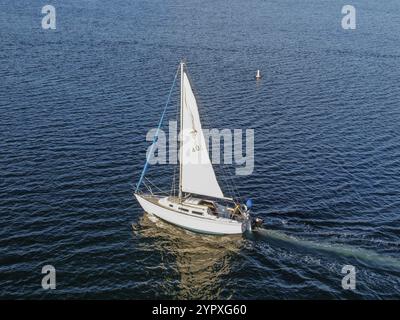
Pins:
<point x="218" y="226"/>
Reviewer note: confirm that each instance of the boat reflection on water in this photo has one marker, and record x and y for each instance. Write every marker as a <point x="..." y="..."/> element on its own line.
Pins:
<point x="202" y="262"/>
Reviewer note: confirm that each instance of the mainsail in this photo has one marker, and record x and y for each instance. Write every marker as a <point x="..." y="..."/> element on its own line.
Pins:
<point x="197" y="173"/>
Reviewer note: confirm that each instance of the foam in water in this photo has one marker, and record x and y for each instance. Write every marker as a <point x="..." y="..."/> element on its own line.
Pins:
<point x="364" y="255"/>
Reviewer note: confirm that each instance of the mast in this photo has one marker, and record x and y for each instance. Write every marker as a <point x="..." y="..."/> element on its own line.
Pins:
<point x="181" y="134"/>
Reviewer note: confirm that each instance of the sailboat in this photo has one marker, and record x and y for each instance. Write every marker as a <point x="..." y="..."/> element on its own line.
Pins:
<point x="200" y="206"/>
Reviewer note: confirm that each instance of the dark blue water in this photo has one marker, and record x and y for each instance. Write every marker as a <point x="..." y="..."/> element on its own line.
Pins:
<point x="77" y="102"/>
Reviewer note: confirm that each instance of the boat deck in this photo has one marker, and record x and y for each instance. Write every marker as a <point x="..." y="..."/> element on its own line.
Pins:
<point x="218" y="211"/>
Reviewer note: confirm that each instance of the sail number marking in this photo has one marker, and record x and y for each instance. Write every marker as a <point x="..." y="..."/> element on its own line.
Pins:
<point x="196" y="148"/>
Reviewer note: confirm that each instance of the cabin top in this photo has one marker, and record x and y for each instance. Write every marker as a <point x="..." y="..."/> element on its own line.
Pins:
<point x="190" y="205"/>
<point x="192" y="200"/>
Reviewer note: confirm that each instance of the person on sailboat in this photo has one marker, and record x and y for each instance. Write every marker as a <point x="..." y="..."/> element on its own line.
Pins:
<point x="236" y="210"/>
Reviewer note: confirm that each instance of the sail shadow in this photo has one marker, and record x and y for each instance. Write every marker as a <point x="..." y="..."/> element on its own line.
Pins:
<point x="201" y="262"/>
<point x="367" y="257"/>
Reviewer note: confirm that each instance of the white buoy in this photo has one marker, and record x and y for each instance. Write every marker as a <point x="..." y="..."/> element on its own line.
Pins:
<point x="258" y="75"/>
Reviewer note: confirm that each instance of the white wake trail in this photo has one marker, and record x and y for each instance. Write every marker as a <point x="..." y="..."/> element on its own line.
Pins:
<point x="367" y="256"/>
